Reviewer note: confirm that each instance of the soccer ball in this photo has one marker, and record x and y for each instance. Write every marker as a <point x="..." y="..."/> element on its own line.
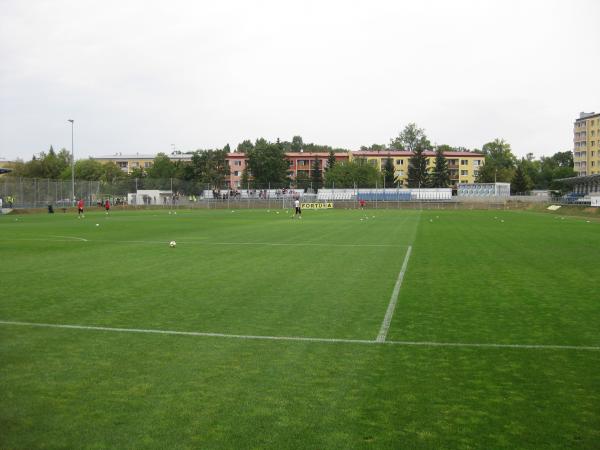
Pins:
<point x="172" y="244"/>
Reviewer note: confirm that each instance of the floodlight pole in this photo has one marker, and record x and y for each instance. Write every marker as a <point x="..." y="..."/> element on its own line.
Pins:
<point x="72" y="165"/>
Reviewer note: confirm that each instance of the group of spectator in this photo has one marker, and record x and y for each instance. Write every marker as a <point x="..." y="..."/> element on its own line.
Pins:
<point x="225" y="195"/>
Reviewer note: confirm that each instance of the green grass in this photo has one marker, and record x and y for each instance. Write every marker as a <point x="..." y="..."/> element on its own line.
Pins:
<point x="472" y="279"/>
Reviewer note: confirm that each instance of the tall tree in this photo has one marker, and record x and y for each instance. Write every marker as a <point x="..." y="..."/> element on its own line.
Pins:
<point x="111" y="172"/>
<point x="410" y="138"/>
<point x="417" y="168"/>
<point x="302" y="180"/>
<point x="244" y="181"/>
<point x="316" y="177"/>
<point x="297" y="144"/>
<point x="268" y="164"/>
<point x="330" y="161"/>
<point x="85" y="169"/>
<point x="373" y="148"/>
<point x="245" y="146"/>
<point x="499" y="162"/>
<point x="557" y="166"/>
<point x="210" y="167"/>
<point x="389" y="176"/>
<point x="440" y="177"/>
<point x="227" y="148"/>
<point x="347" y="174"/>
<point x="520" y="183"/>
<point x="162" y="167"/>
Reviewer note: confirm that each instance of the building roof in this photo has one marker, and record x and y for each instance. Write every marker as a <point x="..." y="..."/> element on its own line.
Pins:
<point x="314" y="154"/>
<point x="586" y="116"/>
<point x="141" y="156"/>
<point x="581" y="179"/>
<point x="384" y="153"/>
<point x="297" y="155"/>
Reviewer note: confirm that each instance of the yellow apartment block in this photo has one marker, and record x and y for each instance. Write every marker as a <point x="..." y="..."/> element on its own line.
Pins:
<point x="586" y="144"/>
<point x="463" y="166"/>
<point x="137" y="161"/>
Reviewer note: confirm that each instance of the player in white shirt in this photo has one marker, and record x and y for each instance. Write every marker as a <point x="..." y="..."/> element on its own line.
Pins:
<point x="298" y="210"/>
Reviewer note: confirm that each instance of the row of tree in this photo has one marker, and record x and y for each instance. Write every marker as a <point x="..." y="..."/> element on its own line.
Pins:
<point x="267" y="165"/>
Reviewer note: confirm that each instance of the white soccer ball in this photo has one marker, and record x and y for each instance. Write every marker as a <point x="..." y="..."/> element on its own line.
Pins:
<point x="172" y="244"/>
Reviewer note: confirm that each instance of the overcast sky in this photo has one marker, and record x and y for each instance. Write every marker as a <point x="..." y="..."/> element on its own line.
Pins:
<point x="139" y="76"/>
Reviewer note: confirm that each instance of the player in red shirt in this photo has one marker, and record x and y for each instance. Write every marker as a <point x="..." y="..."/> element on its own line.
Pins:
<point x="80" y="208"/>
<point x="107" y="206"/>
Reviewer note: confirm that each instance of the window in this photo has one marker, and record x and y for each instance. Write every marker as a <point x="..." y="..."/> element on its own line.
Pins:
<point x="237" y="163"/>
<point x="399" y="162"/>
<point x="476" y="173"/>
<point x="464" y="173"/>
<point x="464" y="162"/>
<point x="236" y="173"/>
<point x="302" y="162"/>
<point x="373" y="162"/>
<point x="476" y="162"/>
<point x="135" y="164"/>
<point x="122" y="164"/>
<point x="148" y="164"/>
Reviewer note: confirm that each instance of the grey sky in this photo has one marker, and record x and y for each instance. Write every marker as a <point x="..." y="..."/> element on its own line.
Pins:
<point x="138" y="76"/>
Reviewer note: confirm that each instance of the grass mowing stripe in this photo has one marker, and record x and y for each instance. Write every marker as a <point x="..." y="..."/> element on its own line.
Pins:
<point x="385" y="325"/>
<point x="272" y="244"/>
<point x="303" y="339"/>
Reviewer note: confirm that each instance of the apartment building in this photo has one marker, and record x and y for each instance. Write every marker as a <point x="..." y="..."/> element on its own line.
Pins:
<point x="128" y="162"/>
<point x="586" y="144"/>
<point x="463" y="166"/>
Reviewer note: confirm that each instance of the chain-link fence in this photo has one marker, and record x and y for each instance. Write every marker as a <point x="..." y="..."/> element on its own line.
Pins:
<point x="39" y="193"/>
<point x="173" y="193"/>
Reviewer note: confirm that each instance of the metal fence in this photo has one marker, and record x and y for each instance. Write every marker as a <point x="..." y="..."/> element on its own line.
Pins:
<point x="175" y="193"/>
<point x="39" y="193"/>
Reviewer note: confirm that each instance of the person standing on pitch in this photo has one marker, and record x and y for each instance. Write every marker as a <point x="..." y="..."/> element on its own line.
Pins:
<point x="298" y="213"/>
<point x="80" y="208"/>
<point x="107" y="206"/>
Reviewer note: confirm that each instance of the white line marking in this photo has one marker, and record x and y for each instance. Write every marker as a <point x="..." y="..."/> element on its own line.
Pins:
<point x="187" y="333"/>
<point x="385" y="325"/>
<point x="491" y="345"/>
<point x="303" y="339"/>
<point x="71" y="237"/>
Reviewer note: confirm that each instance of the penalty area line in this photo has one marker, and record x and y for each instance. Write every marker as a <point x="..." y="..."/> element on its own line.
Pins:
<point x="303" y="339"/>
<point x="387" y="320"/>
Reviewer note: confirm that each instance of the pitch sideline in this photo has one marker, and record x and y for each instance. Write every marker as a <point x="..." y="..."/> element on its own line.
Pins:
<point x="304" y="339"/>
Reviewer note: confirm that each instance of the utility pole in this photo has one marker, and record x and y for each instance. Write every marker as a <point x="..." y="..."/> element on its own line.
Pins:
<point x="72" y="165"/>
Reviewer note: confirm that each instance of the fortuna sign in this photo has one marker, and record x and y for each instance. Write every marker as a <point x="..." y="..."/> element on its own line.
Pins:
<point x="316" y="205"/>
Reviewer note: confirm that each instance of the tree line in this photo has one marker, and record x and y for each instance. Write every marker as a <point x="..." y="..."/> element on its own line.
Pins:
<point x="267" y="165"/>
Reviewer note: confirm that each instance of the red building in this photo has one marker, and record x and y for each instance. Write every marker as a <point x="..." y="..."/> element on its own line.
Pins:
<point x="300" y="162"/>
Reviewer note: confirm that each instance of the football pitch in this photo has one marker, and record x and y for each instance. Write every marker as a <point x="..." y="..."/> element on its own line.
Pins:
<point x="345" y="329"/>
